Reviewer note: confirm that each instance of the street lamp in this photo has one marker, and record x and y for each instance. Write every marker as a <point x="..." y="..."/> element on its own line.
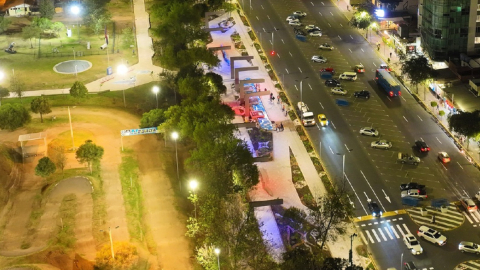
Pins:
<point x="217" y="251"/>
<point x="122" y="70"/>
<point x="155" y="90"/>
<point x="175" y="137"/>
<point x="76" y="10"/>
<point x="301" y="93"/>
<point x="343" y="162"/>
<point x="193" y="186"/>
<point x="111" y="242"/>
<point x="274" y="29"/>
<point x="350" y="254"/>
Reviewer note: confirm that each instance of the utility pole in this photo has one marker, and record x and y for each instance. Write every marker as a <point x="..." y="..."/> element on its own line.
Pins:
<point x="350" y="254"/>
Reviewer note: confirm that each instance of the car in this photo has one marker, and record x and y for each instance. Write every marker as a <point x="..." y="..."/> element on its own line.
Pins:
<point x="319" y="59"/>
<point x="470" y="247"/>
<point x="363" y="94"/>
<point x="381" y="144"/>
<point x="411" y="185"/>
<point x="314" y="30"/>
<point x="312" y="27"/>
<point x="412" y="243"/>
<point x="329" y="69"/>
<point x="315" y="34"/>
<point x="322" y="119"/>
<point x="295" y="23"/>
<point x="332" y="83"/>
<point x="299" y="31"/>
<point x="338" y="91"/>
<point x="359" y="68"/>
<point x="292" y="18"/>
<point x="415" y="193"/>
<point x="385" y="66"/>
<point x="300" y="13"/>
<point x="444" y="157"/>
<point x="325" y="46"/>
<point x="431" y="235"/>
<point x="469" y="204"/>
<point x="369" y="131"/>
<point x="375" y="209"/>
<point x="409" y="159"/>
<point x="410" y="266"/>
<point x="422" y="146"/>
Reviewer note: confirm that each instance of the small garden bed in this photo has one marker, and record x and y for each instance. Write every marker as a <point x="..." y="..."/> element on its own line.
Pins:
<point x="300" y="184"/>
<point x="262" y="142"/>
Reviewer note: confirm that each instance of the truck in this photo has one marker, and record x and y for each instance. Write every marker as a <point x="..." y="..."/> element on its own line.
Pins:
<point x="409" y="159"/>
<point x="389" y="84"/>
<point x="307" y="117"/>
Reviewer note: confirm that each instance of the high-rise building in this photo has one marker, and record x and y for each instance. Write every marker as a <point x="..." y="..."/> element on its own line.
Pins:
<point x="449" y="27"/>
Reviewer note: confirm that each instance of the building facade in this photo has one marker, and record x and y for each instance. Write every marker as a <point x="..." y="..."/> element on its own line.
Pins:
<point x="449" y="27"/>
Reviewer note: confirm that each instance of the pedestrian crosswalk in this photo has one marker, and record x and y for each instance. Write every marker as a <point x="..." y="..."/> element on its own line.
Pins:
<point x="382" y="231"/>
<point x="449" y="219"/>
<point x="472" y="217"/>
<point x="469" y="265"/>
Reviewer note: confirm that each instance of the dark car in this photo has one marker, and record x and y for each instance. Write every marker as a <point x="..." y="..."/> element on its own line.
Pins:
<point x="299" y="31"/>
<point x="375" y="209"/>
<point x="363" y="94"/>
<point x="314" y="30"/>
<point x="410" y="266"/>
<point x="422" y="146"/>
<point x="411" y="185"/>
<point x="332" y="83"/>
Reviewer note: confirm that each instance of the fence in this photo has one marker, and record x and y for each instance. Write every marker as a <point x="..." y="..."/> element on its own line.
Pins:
<point x="70" y="53"/>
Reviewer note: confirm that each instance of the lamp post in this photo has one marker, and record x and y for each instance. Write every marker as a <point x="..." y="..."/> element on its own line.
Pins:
<point x="401" y="261"/>
<point x="272" y="32"/>
<point x="156" y="90"/>
<point x="217" y="251"/>
<point x="111" y="242"/>
<point x="122" y="70"/>
<point x="193" y="186"/>
<point x="343" y="162"/>
<point x="175" y="137"/>
<point x="76" y="10"/>
<point x="350" y="254"/>
<point x="301" y="94"/>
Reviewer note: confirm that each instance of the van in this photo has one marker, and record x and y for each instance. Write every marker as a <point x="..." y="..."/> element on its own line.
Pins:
<point x="350" y="76"/>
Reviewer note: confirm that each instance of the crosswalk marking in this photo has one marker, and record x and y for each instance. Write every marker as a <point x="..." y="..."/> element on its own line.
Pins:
<point x="370" y="237"/>
<point x="381" y="233"/>
<point x="395" y="232"/>
<point x="476" y="216"/>
<point x="376" y="236"/>
<point x="400" y="229"/>
<point x="388" y="232"/>
<point x="363" y="237"/>
<point x="406" y="228"/>
<point x="474" y="263"/>
<point x="468" y="218"/>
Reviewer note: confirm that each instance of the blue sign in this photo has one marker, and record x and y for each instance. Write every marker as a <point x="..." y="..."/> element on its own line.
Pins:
<point x="139" y="131"/>
<point x="109" y="71"/>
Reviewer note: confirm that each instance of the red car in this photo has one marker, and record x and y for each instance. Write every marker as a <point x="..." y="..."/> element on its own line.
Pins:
<point x="329" y="69"/>
<point x="385" y="66"/>
<point x="359" y="69"/>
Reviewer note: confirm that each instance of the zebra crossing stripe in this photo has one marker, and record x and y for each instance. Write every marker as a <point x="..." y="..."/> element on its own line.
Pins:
<point x="474" y="263"/>
<point x="376" y="236"/>
<point x="370" y="237"/>
<point x="400" y="229"/>
<point x="466" y="266"/>
<point x="363" y="237"/>
<point x="381" y="233"/>
<point x="406" y="228"/>
<point x="476" y="216"/>
<point x="395" y="232"/>
<point x="468" y="218"/>
<point x="388" y="232"/>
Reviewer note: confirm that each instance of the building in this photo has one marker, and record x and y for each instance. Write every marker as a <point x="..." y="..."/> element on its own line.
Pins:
<point x="17" y="7"/>
<point x="449" y="27"/>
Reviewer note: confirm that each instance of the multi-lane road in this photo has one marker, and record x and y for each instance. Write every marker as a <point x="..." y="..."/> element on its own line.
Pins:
<point x="371" y="174"/>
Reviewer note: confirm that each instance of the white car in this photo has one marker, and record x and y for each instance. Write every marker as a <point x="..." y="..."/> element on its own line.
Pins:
<point x="381" y="144"/>
<point x="431" y="235"/>
<point x="292" y="18"/>
<point x="312" y="27"/>
<point x="300" y="13"/>
<point x="412" y="243"/>
<point x="325" y="46"/>
<point x="369" y="131"/>
<point x="295" y="23"/>
<point x="315" y="34"/>
<point x="465" y="246"/>
<point x="319" y="59"/>
<point x="338" y="91"/>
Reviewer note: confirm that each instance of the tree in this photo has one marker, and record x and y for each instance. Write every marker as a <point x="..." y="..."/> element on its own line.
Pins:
<point x="126" y="256"/>
<point x="362" y="19"/>
<point x="89" y="153"/>
<point x="58" y="157"/>
<point x="153" y="118"/>
<point x="128" y="37"/>
<point x="433" y="104"/>
<point x="57" y="27"/>
<point x="40" y="105"/>
<point x="43" y="23"/>
<point x="17" y="86"/>
<point x="45" y="167"/>
<point x="30" y="32"/>
<point x="46" y="8"/>
<point x="466" y="124"/>
<point x="206" y="257"/>
<point x="441" y="113"/>
<point x="4" y="23"/>
<point x="301" y="258"/>
<point x="78" y="90"/>
<point x="3" y="93"/>
<point x="98" y="19"/>
<point x="417" y="70"/>
<point x="13" y="116"/>
<point x="217" y="82"/>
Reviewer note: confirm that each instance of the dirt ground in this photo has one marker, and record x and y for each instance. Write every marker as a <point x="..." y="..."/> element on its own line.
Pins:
<point x="168" y="227"/>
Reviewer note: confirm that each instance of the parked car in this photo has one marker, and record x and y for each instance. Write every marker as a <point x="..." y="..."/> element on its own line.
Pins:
<point x="369" y="131"/>
<point x="470" y="247"/>
<point x="359" y="69"/>
<point x="329" y="69"/>
<point x="412" y="244"/>
<point x="292" y="18"/>
<point x="444" y="157"/>
<point x="338" y="91"/>
<point x="295" y="23"/>
<point x="322" y="119"/>
<point x="411" y="185"/>
<point x="422" y="146"/>
<point x="381" y="144"/>
<point x="431" y="235"/>
<point x="312" y="27"/>
<point x="300" y="13"/>
<point x="469" y="204"/>
<point x="319" y="59"/>
<point x="415" y="193"/>
<point x="375" y="209"/>
<point x="363" y="94"/>
<point x="409" y="159"/>
<point x="325" y="46"/>
<point x="315" y="34"/>
<point x="332" y="83"/>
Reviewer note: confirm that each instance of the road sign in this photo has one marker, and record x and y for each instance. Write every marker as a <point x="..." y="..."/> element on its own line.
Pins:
<point x="139" y="131"/>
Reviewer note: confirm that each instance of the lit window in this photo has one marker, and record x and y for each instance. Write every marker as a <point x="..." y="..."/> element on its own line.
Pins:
<point x="478" y="18"/>
<point x="477" y="40"/>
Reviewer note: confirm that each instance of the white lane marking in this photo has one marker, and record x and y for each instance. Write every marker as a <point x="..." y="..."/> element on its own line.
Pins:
<point x="388" y="232"/>
<point x="329" y="24"/>
<point x="468" y="218"/>
<point x="373" y="191"/>
<point x="331" y="13"/>
<point x="257" y="18"/>
<point x="300" y="70"/>
<point x="477" y="215"/>
<point x="278" y="55"/>
<point x="351" y="36"/>
<point x="374" y="65"/>
<point x="262" y="6"/>
<point x="362" y="50"/>
<point x="310" y="87"/>
<point x="290" y="54"/>
<point x="341" y="25"/>
<point x="296" y="87"/>
<point x="474" y="217"/>
<point x="403" y="98"/>
<point x="405" y="118"/>
<point x="376" y="236"/>
<point x="400" y="230"/>
<point x="333" y="125"/>
<point x="382" y="234"/>
<point x="321" y="105"/>
<point x="353" y="189"/>
<point x="390" y="100"/>
<point x="339" y="37"/>
<point x="395" y="232"/>
<point x="322" y="3"/>
<point x="406" y="228"/>
<point x="370" y="237"/>
<point x="363" y="237"/>
<point x="287" y="71"/>
<point x="331" y="150"/>
<point x="350" y="51"/>
<point x="268" y="17"/>
<point x="312" y="4"/>
<point x="320" y="13"/>
<point x="282" y="41"/>
<point x="419" y="117"/>
<point x="443" y="165"/>
<point x="438" y="140"/>
<point x="459" y="165"/>
<point x="347" y="147"/>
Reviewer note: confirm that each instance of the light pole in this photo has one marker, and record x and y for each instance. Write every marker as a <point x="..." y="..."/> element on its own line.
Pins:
<point x="343" y="162"/>
<point x="301" y="94"/>
<point x="274" y="29"/>
<point x="111" y="242"/>
<point x="122" y="70"/>
<point x="76" y="10"/>
<point x="217" y="251"/>
<point x="193" y="186"/>
<point x="156" y="90"/>
<point x="175" y="137"/>
<point x="401" y="261"/>
<point x="350" y="254"/>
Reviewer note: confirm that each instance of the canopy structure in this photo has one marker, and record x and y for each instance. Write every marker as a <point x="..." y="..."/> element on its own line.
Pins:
<point x="32" y="137"/>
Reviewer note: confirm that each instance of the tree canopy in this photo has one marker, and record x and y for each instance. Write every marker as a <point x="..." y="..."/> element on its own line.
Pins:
<point x="45" y="167"/>
<point x="362" y="19"/>
<point x="40" y="105"/>
<point x="13" y="116"/>
<point x="417" y="69"/>
<point x="78" y="90"/>
<point x="3" y="93"/>
<point x="465" y="123"/>
<point x="152" y="118"/>
<point x="46" y="8"/>
<point x="126" y="256"/>
<point x="89" y="153"/>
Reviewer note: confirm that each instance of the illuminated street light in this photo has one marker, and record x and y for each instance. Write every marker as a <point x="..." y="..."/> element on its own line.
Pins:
<point x="217" y="251"/>
<point x="111" y="241"/>
<point x="155" y="90"/>
<point x="175" y="137"/>
<point x="76" y="10"/>
<point x="122" y="70"/>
